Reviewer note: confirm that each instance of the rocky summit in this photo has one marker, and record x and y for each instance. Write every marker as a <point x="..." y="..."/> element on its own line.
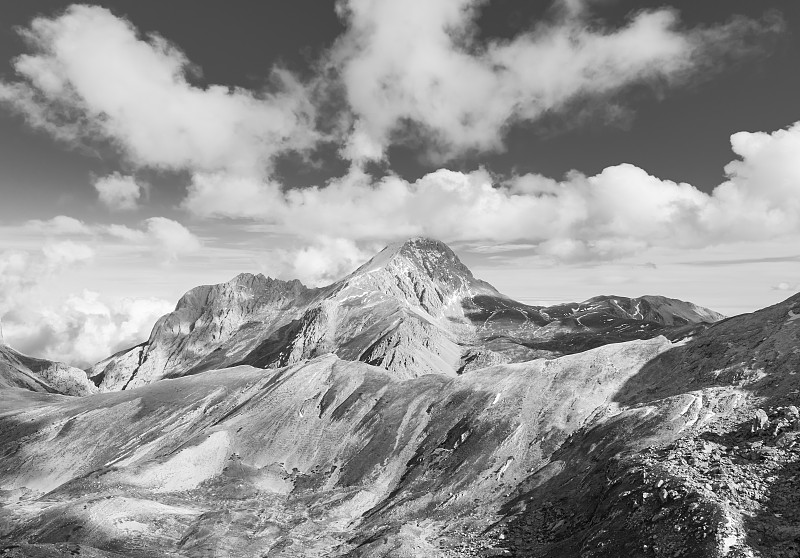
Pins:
<point x="411" y="410"/>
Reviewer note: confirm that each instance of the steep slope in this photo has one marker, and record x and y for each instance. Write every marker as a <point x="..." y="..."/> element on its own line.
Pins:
<point x="413" y="309"/>
<point x="21" y="371"/>
<point x="204" y="319"/>
<point x="642" y="448"/>
<point x="245" y="462"/>
<point x="391" y="312"/>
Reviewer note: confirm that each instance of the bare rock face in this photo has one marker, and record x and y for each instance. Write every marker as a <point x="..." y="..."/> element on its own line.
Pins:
<point x="204" y="319"/>
<point x="21" y="371"/>
<point x="413" y="309"/>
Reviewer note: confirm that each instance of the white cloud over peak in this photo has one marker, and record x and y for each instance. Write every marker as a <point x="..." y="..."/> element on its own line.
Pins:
<point x="118" y="192"/>
<point x="421" y="63"/>
<point x="92" y="76"/>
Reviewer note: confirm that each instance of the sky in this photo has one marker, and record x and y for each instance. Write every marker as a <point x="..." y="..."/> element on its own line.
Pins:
<point x="564" y="149"/>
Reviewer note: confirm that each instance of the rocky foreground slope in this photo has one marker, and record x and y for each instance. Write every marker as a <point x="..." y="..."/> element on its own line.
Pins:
<point x="414" y="309"/>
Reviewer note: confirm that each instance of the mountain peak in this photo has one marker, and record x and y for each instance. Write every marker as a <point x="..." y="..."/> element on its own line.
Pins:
<point x="423" y="271"/>
<point x="432" y="257"/>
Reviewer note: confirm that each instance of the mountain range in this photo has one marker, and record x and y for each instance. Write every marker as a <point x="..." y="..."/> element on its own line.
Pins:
<point x="411" y="409"/>
<point x="413" y="309"/>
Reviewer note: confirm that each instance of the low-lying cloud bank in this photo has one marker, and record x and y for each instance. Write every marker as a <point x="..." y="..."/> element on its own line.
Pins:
<point x="84" y="328"/>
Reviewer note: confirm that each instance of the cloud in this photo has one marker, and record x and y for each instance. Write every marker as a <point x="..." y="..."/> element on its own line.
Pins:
<point x="84" y="329"/>
<point x="407" y="71"/>
<point x="417" y="69"/>
<point x="226" y="195"/>
<point x="117" y="192"/>
<point x="320" y="263"/>
<point x="59" y="225"/>
<point x="171" y="238"/>
<point x="91" y="76"/>
<point x="21" y="272"/>
<point x="164" y="237"/>
<point x="66" y="253"/>
<point x="620" y="211"/>
<point x="784" y="286"/>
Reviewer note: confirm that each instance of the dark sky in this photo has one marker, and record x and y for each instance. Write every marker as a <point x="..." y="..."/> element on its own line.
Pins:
<point x="681" y="134"/>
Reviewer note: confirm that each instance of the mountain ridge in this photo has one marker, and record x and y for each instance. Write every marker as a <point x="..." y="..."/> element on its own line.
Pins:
<point x="414" y="308"/>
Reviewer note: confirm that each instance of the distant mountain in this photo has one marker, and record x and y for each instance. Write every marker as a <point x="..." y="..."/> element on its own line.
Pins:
<point x="21" y="371"/>
<point x="413" y="309"/>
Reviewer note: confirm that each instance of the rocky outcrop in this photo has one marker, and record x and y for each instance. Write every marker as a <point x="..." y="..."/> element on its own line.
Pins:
<point x="21" y="371"/>
<point x="204" y="319"/>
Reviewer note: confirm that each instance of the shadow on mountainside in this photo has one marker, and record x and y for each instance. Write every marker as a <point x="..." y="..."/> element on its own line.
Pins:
<point x="640" y="484"/>
<point x="757" y="352"/>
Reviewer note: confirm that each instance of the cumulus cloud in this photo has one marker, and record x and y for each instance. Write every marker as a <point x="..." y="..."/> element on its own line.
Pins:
<point x="322" y="262"/>
<point x="118" y="192"/>
<point x="618" y="212"/>
<point x="84" y="329"/>
<point x="405" y="69"/>
<point x="21" y="272"/>
<point x="92" y="76"/>
<point x="420" y="67"/>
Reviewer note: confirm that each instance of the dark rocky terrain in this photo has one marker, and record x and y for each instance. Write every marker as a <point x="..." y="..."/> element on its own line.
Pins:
<point x="412" y="410"/>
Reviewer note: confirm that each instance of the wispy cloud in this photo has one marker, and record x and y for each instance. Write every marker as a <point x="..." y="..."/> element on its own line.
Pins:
<point x="164" y="237"/>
